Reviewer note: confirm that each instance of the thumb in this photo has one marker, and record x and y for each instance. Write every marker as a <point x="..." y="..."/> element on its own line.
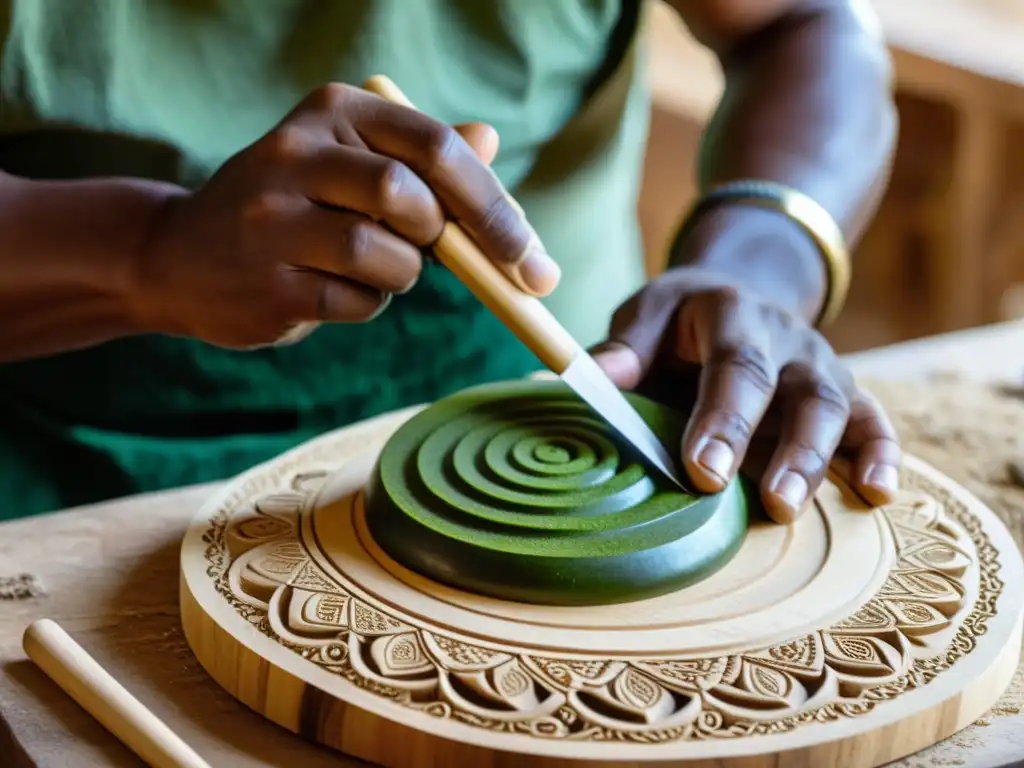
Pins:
<point x="620" y="362"/>
<point x="637" y="330"/>
<point x="483" y="138"/>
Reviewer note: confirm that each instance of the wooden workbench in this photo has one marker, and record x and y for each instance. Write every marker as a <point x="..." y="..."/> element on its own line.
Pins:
<point x="109" y="574"/>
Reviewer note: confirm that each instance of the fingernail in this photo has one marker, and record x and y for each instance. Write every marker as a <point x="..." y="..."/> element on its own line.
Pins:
<point x="385" y="302"/>
<point x="717" y="458"/>
<point x="792" y="489"/>
<point x="538" y="272"/>
<point x="620" y="363"/>
<point x="883" y="476"/>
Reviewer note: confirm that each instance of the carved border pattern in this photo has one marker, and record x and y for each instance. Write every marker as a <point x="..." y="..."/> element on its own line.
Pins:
<point x="887" y="648"/>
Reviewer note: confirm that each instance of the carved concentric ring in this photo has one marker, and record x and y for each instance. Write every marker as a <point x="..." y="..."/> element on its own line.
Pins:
<point x="521" y="491"/>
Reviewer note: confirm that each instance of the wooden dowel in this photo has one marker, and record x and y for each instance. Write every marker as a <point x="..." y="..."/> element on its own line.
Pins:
<point x="99" y="694"/>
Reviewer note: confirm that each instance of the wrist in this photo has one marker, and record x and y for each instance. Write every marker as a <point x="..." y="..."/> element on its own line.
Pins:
<point x="147" y="284"/>
<point x="763" y="250"/>
<point x="69" y="250"/>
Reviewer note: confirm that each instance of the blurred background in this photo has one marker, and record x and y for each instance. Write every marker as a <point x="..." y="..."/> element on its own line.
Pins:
<point x="946" y="251"/>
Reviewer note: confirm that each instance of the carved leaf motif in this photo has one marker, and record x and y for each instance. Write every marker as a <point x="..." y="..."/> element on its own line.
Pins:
<point x="923" y="586"/>
<point x="511" y="681"/>
<point x="692" y="676"/>
<point x="281" y="504"/>
<point x="312" y="578"/>
<point x="918" y="619"/>
<point x="872" y="617"/>
<point x="313" y="615"/>
<point x="457" y="656"/>
<point x="636" y="690"/>
<point x="856" y="648"/>
<point x="633" y="698"/>
<point x="400" y="655"/>
<point x="803" y="656"/>
<point x="259" y="528"/>
<point x="371" y="622"/>
<point x="308" y="482"/>
<point x="940" y="557"/>
<point x="865" y="656"/>
<point x="766" y="681"/>
<point x="572" y="673"/>
<point x="507" y="687"/>
<point x="279" y="561"/>
<point x="326" y="609"/>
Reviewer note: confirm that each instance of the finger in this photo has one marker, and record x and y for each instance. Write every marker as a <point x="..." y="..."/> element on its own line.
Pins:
<point x="815" y="412"/>
<point x="342" y="244"/>
<point x="384" y="189"/>
<point x="620" y="363"/>
<point x="466" y="187"/>
<point x="871" y="439"/>
<point x="737" y="382"/>
<point x="637" y="332"/>
<point x="354" y="247"/>
<point x="330" y="299"/>
<point x="482" y="138"/>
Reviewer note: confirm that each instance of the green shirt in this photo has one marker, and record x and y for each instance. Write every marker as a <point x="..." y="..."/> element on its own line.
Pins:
<point x="170" y="89"/>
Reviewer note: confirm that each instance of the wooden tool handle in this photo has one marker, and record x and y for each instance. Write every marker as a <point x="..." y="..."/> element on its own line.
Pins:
<point x="525" y="315"/>
<point x="99" y="694"/>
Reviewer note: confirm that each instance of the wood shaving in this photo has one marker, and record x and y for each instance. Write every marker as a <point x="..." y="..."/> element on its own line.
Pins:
<point x="24" y="586"/>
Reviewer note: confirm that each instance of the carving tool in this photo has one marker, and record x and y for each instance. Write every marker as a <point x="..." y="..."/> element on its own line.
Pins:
<point x="537" y="328"/>
<point x="99" y="694"/>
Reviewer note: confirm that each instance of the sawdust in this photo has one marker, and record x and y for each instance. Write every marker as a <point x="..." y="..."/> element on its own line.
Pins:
<point x="24" y="586"/>
<point x="975" y="434"/>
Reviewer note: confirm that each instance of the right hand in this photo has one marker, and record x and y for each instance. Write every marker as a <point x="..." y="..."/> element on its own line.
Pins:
<point x="324" y="218"/>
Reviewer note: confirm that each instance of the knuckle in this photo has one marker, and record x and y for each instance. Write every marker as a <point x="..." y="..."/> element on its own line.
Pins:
<point x="500" y="220"/>
<point x="359" y="242"/>
<point x="822" y="390"/>
<point x="329" y="96"/>
<point x="391" y="183"/>
<point x="829" y="395"/>
<point x="809" y="460"/>
<point x="439" y="144"/>
<point x="733" y="427"/>
<point x="263" y="210"/>
<point x="281" y="144"/>
<point x="751" y="360"/>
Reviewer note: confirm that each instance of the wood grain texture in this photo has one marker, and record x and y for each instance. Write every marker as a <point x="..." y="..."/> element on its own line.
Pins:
<point x="852" y="638"/>
<point x="520" y="491"/>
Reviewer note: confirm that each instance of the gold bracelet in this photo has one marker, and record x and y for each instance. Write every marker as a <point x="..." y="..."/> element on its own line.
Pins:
<point x="810" y="215"/>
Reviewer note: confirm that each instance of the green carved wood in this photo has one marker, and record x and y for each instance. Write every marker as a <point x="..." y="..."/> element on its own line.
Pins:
<point x="520" y="491"/>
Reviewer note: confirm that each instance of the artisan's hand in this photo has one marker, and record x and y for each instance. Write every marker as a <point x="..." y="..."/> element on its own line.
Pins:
<point x="322" y="219"/>
<point x="765" y="378"/>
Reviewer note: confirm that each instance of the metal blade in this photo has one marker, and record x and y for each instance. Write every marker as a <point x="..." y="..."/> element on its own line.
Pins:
<point x="589" y="381"/>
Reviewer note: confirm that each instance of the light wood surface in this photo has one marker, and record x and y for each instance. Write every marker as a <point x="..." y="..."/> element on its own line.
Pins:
<point x="108" y="573"/>
<point x="66" y="663"/>
<point x="853" y="637"/>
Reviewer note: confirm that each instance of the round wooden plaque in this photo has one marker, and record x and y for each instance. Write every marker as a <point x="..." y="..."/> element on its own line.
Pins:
<point x="851" y="638"/>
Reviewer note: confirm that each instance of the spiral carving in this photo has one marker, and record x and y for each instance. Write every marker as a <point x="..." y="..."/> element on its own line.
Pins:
<point x="520" y="491"/>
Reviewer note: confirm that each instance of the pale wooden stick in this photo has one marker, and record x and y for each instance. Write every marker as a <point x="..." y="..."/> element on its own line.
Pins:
<point x="526" y="316"/>
<point x="99" y="694"/>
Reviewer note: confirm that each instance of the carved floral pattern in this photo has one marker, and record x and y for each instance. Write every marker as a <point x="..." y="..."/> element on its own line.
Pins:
<point x="891" y="645"/>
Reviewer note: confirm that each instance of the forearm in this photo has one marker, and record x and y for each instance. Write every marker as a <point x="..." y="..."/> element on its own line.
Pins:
<point x="67" y="256"/>
<point x="807" y="104"/>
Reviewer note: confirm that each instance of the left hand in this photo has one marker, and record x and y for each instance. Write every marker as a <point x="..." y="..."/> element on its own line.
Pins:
<point x="756" y="376"/>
